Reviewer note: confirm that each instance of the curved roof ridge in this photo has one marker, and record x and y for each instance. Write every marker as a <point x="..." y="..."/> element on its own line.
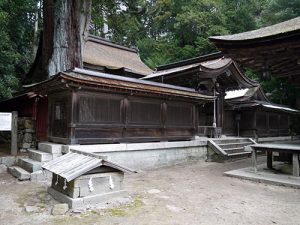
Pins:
<point x="278" y="29"/>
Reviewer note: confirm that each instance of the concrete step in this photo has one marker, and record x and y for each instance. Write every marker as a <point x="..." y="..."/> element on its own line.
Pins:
<point x="239" y="154"/>
<point x="234" y="145"/>
<point x="50" y="147"/>
<point x="230" y="140"/>
<point x="19" y="173"/>
<point x="234" y="150"/>
<point x="39" y="155"/>
<point x="29" y="164"/>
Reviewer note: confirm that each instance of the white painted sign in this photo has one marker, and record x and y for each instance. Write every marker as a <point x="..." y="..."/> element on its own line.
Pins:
<point x="5" y="121"/>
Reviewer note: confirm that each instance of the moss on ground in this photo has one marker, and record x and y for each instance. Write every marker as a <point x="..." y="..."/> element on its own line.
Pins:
<point x="126" y="209"/>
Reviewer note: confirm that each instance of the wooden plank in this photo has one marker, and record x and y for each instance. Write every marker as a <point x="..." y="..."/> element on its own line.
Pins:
<point x="82" y="169"/>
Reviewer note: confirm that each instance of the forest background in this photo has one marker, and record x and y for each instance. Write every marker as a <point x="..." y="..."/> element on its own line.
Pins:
<point x="164" y="31"/>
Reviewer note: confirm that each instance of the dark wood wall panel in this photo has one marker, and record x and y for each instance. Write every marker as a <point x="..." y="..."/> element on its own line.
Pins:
<point x="144" y="132"/>
<point x="261" y="120"/>
<point x="284" y="121"/>
<point x="109" y="118"/>
<point x="86" y="133"/>
<point x="273" y="121"/>
<point x="59" y="114"/>
<point x="182" y="132"/>
<point x="179" y="114"/>
<point x="267" y="124"/>
<point x="146" y="113"/>
<point x="99" y="109"/>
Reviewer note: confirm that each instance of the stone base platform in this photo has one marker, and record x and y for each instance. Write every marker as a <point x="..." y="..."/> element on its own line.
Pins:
<point x="271" y="176"/>
<point x="143" y="156"/>
<point x="88" y="201"/>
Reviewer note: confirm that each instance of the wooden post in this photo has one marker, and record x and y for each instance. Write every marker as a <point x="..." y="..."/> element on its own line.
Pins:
<point x="14" y="133"/>
<point x="295" y="164"/>
<point x="269" y="159"/>
<point x="254" y="160"/>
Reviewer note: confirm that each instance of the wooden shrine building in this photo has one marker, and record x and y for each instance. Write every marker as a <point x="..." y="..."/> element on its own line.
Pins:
<point x="271" y="51"/>
<point x="86" y="107"/>
<point x="212" y="74"/>
<point x="248" y="115"/>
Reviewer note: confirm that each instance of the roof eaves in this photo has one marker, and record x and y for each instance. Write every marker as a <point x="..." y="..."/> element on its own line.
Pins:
<point x="190" y="61"/>
<point x="109" y="43"/>
<point x="276" y="31"/>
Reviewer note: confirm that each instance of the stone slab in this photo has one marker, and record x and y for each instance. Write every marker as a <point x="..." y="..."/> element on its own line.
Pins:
<point x="29" y="164"/>
<point x="19" y="173"/>
<point x="41" y="175"/>
<point x="8" y="160"/>
<point x="50" y="147"/>
<point x="39" y="155"/>
<point x="135" y="146"/>
<point x="3" y="168"/>
<point x="265" y="176"/>
<point x="85" y="202"/>
<point x="273" y="139"/>
<point x="148" y="155"/>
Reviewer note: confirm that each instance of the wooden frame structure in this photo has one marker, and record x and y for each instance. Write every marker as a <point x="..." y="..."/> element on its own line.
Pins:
<point x="87" y="107"/>
<point x="272" y="50"/>
<point x="253" y="115"/>
<point x="208" y="74"/>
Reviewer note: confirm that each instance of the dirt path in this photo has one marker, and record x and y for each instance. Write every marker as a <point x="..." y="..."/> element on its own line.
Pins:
<point x="196" y="193"/>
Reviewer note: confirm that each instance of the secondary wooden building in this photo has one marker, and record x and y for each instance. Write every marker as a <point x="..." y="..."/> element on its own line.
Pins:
<point x="249" y="113"/>
<point x="88" y="107"/>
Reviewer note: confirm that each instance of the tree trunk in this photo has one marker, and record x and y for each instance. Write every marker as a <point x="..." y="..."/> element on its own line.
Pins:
<point x="65" y="27"/>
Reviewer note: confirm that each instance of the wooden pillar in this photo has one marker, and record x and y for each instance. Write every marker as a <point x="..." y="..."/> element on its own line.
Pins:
<point x="220" y="109"/>
<point x="296" y="164"/>
<point x="14" y="133"/>
<point x="254" y="160"/>
<point x="269" y="159"/>
<point x="74" y="116"/>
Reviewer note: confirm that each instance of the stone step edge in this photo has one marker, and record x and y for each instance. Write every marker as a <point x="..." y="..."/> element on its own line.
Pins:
<point x="237" y="143"/>
<point x="32" y="163"/>
<point x="19" y="173"/>
<point x="239" y="153"/>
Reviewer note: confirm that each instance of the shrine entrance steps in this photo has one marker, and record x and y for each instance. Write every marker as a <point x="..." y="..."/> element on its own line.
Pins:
<point x="30" y="168"/>
<point x="231" y="148"/>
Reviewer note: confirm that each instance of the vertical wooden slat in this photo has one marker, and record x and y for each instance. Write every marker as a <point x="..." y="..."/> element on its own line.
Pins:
<point x="14" y="133"/>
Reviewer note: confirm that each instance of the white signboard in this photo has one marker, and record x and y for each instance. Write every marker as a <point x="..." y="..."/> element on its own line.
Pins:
<point x="5" y="121"/>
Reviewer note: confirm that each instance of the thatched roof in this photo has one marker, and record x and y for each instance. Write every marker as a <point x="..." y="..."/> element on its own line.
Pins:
<point x="270" y="51"/>
<point x="100" y="52"/>
<point x="283" y="28"/>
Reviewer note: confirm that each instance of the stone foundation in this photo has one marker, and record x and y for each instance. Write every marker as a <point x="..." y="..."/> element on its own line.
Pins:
<point x="140" y="156"/>
<point x="26" y="133"/>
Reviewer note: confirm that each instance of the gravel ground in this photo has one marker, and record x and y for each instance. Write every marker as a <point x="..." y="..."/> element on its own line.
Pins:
<point x="195" y="193"/>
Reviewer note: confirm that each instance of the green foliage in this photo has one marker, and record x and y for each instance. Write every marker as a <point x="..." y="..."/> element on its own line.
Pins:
<point x="16" y="22"/>
<point x="165" y="31"/>
<point x="277" y="11"/>
<point x="171" y="30"/>
<point x="277" y="90"/>
<point x="241" y="15"/>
